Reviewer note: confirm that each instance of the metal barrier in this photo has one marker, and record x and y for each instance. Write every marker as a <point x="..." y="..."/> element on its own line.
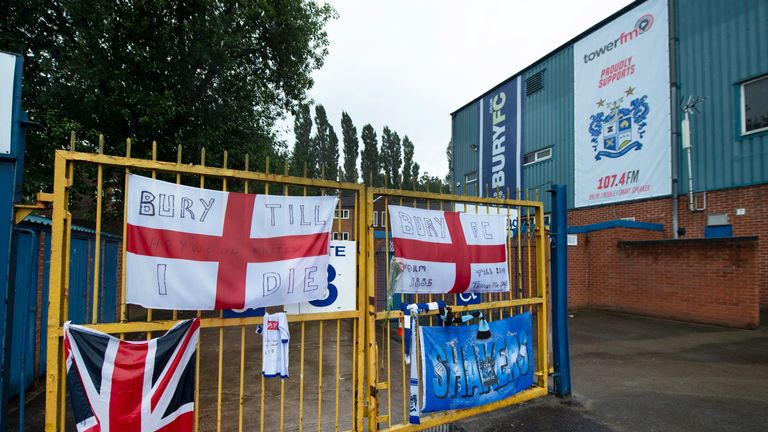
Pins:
<point x="527" y="246"/>
<point x="341" y="382"/>
<point x="230" y="392"/>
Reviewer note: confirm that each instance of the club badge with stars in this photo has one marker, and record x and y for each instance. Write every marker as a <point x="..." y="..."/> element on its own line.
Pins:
<point x="619" y="126"/>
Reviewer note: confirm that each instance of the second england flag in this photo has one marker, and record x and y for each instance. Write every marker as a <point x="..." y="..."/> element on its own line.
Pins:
<point x="449" y="252"/>
<point x="190" y="248"/>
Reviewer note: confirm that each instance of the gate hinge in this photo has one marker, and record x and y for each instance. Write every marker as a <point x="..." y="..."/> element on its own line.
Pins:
<point x="42" y="201"/>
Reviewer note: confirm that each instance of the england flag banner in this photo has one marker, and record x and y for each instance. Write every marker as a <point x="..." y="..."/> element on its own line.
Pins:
<point x="190" y="248"/>
<point x="119" y="385"/>
<point x="449" y="252"/>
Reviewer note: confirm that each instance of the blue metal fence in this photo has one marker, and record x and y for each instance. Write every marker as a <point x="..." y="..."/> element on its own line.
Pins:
<point x="24" y="310"/>
<point x="32" y="271"/>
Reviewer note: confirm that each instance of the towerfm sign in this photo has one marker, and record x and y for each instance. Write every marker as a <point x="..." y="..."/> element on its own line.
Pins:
<point x="621" y="108"/>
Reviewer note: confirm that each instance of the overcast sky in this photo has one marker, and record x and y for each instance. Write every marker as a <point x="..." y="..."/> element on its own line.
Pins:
<point x="408" y="64"/>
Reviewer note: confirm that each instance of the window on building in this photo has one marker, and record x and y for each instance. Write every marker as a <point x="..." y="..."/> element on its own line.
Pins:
<point x="537" y="156"/>
<point x="341" y="235"/>
<point x="375" y="218"/>
<point x="547" y="219"/>
<point x="470" y="178"/>
<point x="344" y="214"/>
<point x="754" y="105"/>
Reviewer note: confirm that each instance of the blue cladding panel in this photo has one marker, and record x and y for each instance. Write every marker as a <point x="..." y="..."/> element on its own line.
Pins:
<point x="722" y="44"/>
<point x="79" y="280"/>
<point x="27" y="291"/>
<point x="108" y="300"/>
<point x="466" y="132"/>
<point x="722" y="231"/>
<point x="548" y="122"/>
<point x="24" y="311"/>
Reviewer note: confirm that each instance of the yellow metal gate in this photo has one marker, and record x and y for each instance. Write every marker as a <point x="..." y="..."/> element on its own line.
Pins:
<point x="527" y="247"/>
<point x="350" y="373"/>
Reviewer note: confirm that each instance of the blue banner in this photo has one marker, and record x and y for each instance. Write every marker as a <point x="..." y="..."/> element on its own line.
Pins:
<point x="243" y="313"/>
<point x="501" y="153"/>
<point x="463" y="299"/>
<point x="462" y="371"/>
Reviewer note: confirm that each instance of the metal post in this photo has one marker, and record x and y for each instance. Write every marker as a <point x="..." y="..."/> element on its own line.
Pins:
<point x="559" y="271"/>
<point x="11" y="171"/>
<point x="8" y="292"/>
<point x="674" y="91"/>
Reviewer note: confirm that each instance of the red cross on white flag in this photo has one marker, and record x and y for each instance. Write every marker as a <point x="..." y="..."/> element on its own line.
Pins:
<point x="191" y="248"/>
<point x="449" y="252"/>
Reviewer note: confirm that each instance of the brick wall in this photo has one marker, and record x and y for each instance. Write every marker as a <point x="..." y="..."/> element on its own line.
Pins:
<point x="41" y="327"/>
<point x="754" y="201"/>
<point x="596" y="278"/>
<point x="707" y="280"/>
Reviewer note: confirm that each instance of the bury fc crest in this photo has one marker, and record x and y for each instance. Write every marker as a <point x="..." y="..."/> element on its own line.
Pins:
<point x="618" y="128"/>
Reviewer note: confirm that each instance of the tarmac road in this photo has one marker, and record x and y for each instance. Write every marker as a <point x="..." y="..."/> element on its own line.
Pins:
<point x="642" y="374"/>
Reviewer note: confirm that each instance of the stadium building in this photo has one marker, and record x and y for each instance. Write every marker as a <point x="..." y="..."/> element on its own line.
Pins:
<point x="656" y="119"/>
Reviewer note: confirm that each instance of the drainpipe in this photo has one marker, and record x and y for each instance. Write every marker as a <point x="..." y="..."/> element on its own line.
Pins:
<point x="673" y="109"/>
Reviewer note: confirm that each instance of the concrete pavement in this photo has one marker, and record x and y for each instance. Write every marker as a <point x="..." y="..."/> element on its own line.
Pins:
<point x="642" y="374"/>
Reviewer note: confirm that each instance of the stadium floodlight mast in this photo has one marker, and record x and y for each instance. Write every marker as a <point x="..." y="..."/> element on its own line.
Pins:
<point x="688" y="108"/>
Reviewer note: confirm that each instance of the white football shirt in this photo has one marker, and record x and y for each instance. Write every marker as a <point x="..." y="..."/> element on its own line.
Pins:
<point x="274" y="358"/>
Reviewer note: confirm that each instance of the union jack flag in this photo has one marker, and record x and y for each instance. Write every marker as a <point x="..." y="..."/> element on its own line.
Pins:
<point x="145" y="386"/>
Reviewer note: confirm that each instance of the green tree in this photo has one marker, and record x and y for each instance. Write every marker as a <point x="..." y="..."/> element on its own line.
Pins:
<point x="321" y="140"/>
<point x="386" y="157"/>
<point x="302" y="147"/>
<point x="432" y="184"/>
<point x="369" y="158"/>
<point x="396" y="153"/>
<point x="203" y="74"/>
<point x="449" y="156"/>
<point x="408" y="177"/>
<point x="351" y="147"/>
<point x="332" y="155"/>
<point x="415" y="172"/>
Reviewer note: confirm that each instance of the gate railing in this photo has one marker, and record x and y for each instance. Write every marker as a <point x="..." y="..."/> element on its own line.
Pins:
<point x="527" y="247"/>
<point x="351" y="367"/>
<point x="328" y="387"/>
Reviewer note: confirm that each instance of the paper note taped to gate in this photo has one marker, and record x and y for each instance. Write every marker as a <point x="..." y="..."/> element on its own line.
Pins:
<point x="448" y="252"/>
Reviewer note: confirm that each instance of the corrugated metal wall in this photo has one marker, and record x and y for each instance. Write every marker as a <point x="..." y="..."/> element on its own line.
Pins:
<point x="108" y="299"/>
<point x="720" y="45"/>
<point x="29" y="289"/>
<point x="24" y="309"/>
<point x="80" y="278"/>
<point x="465" y="133"/>
<point x="548" y="122"/>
